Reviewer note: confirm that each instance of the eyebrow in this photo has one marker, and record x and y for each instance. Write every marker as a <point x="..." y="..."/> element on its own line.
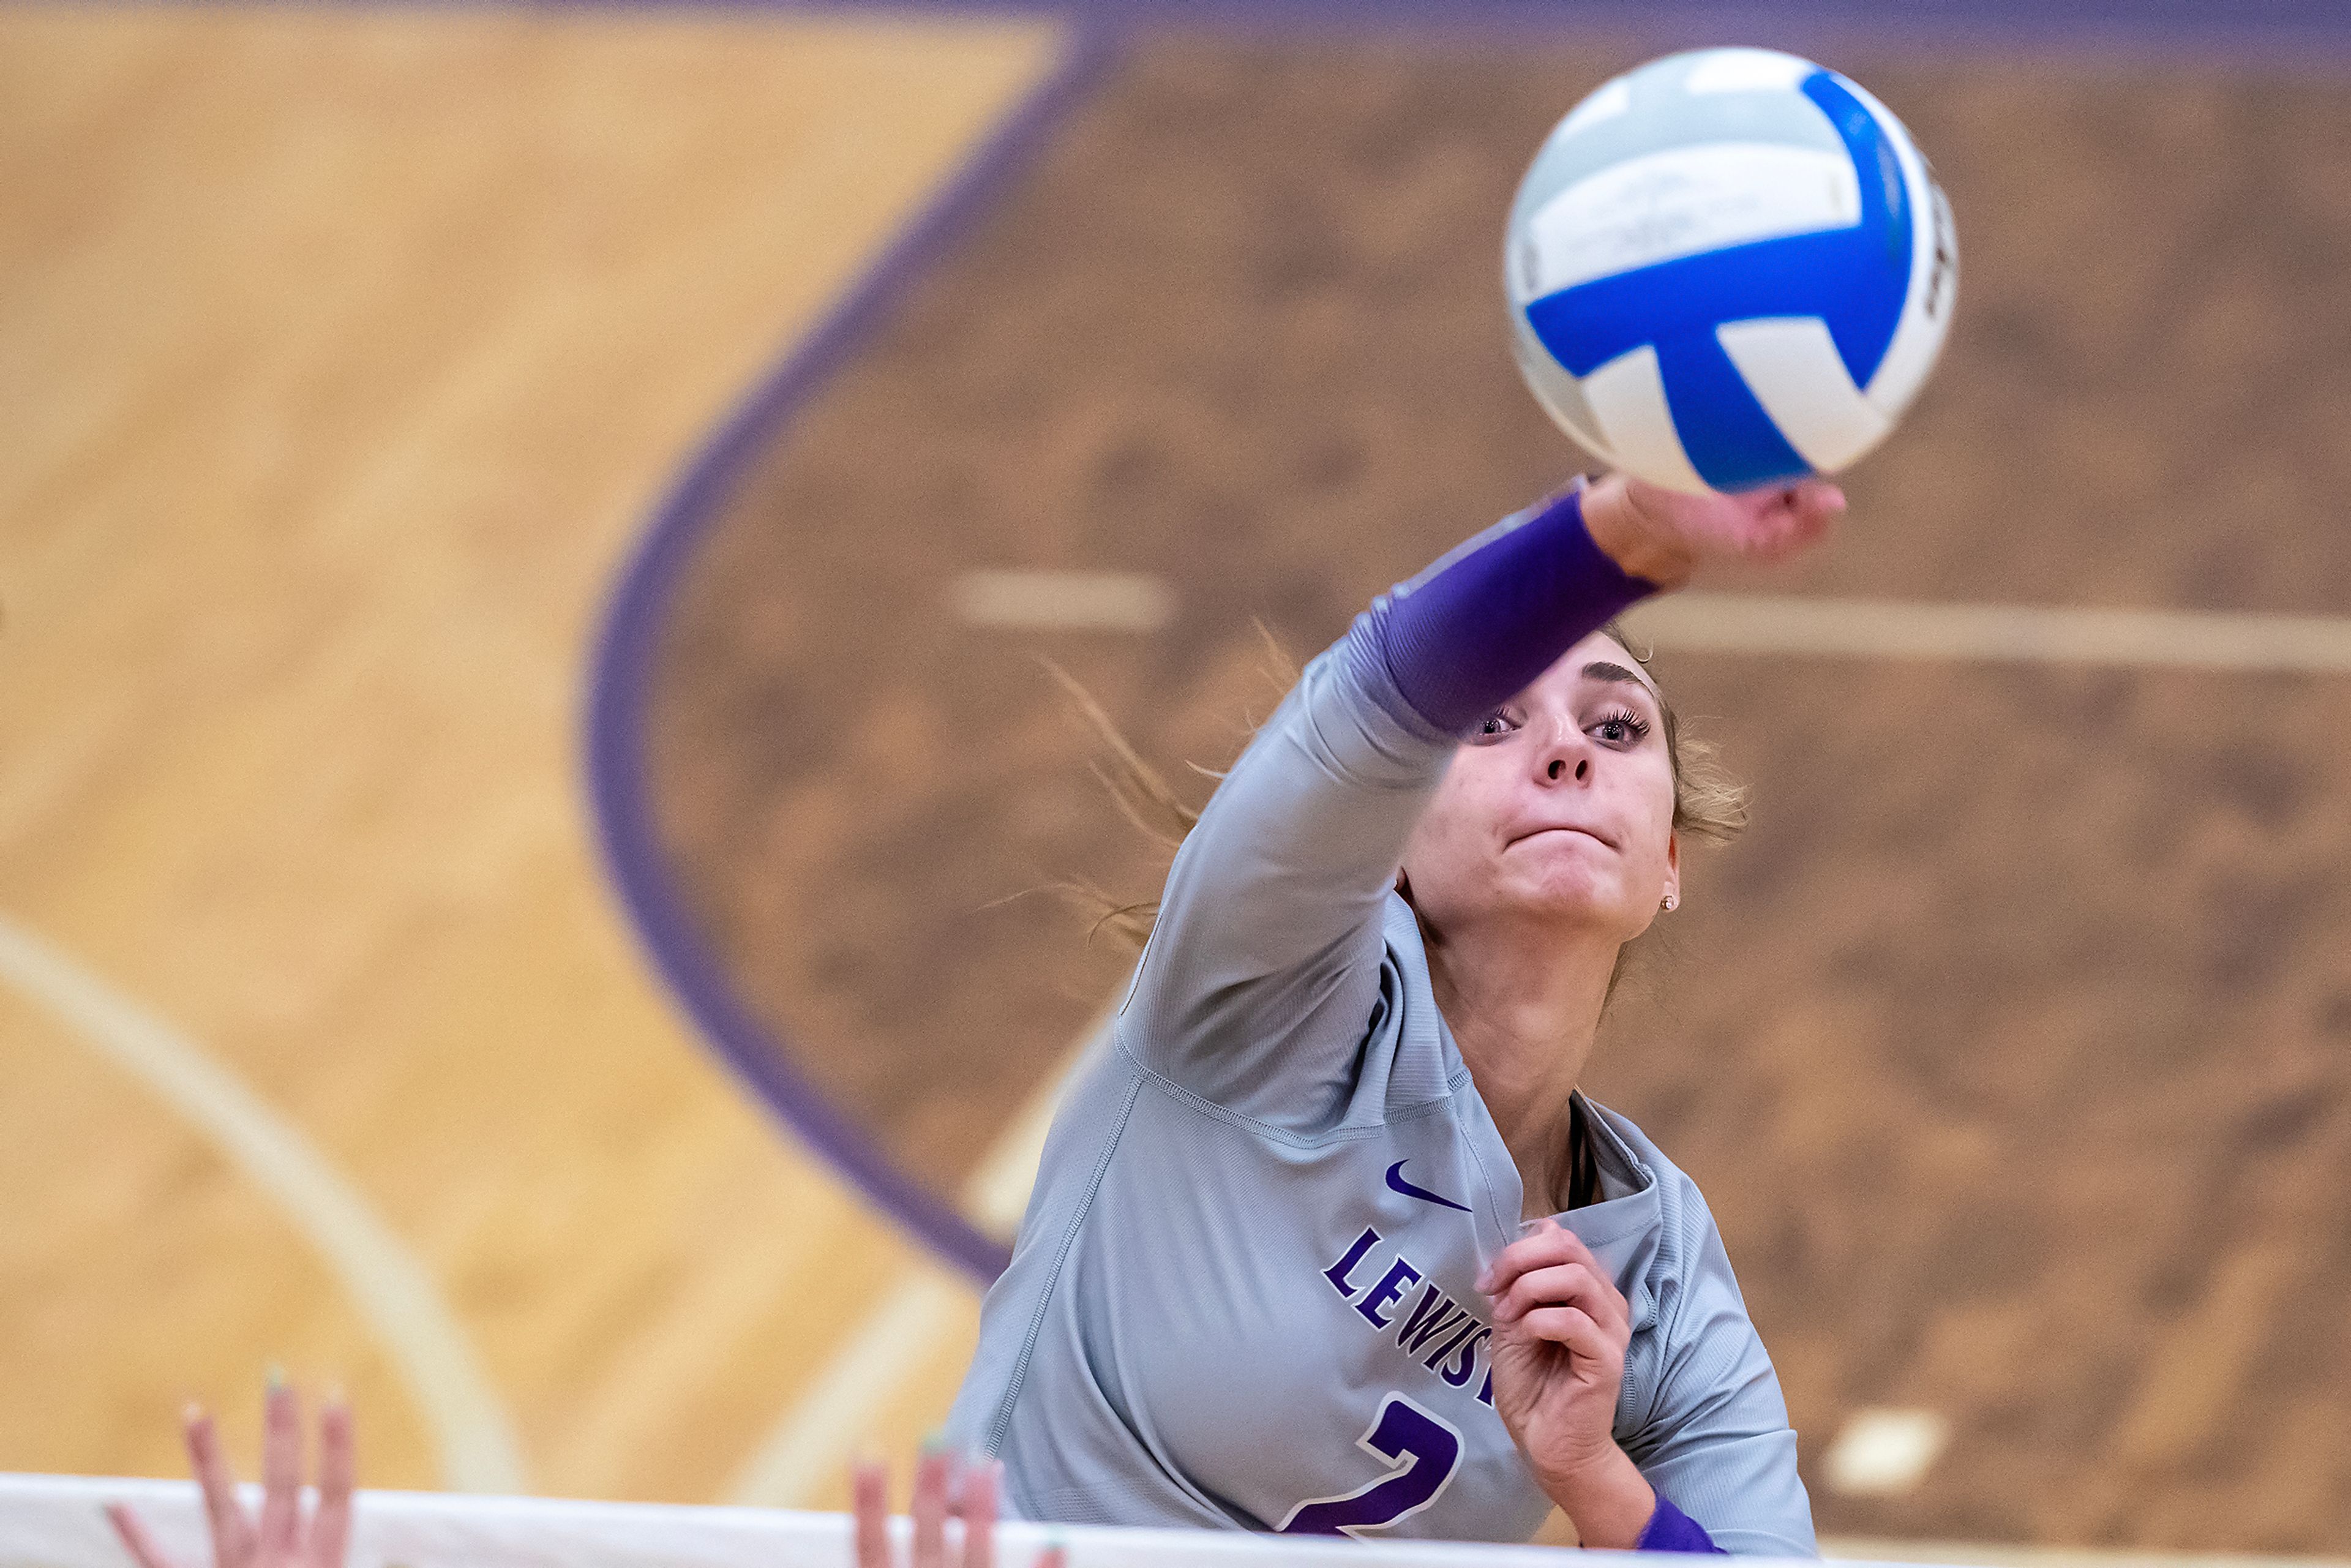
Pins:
<point x="1601" y="670"/>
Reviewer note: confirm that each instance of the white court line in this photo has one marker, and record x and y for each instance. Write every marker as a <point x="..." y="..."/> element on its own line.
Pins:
<point x="1874" y="1548"/>
<point x="1884" y="1452"/>
<point x="387" y="1287"/>
<point x="820" y="1433"/>
<point x="1052" y="601"/>
<point x="826" y="1425"/>
<point x="2028" y="634"/>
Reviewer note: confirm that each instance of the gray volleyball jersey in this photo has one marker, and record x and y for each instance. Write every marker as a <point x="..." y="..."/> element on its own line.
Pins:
<point x="1243" y="1294"/>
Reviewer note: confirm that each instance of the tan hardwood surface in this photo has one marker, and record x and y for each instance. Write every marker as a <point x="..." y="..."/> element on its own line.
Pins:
<point x="342" y="354"/>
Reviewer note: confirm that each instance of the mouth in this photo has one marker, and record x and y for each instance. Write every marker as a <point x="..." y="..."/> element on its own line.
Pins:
<point x="1548" y="830"/>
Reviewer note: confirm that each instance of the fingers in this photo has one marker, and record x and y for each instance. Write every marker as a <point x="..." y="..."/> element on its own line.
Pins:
<point x="1585" y="1340"/>
<point x="933" y="1473"/>
<point x="281" y="1473"/>
<point x="330" y="1526"/>
<point x="869" y="1492"/>
<point x="1815" y="497"/>
<point x="137" y="1539"/>
<point x="1549" y="1243"/>
<point x="1055" y="1556"/>
<point x="1794" y="518"/>
<point x="232" y="1532"/>
<point x="979" y="1485"/>
<point x="1577" y="1285"/>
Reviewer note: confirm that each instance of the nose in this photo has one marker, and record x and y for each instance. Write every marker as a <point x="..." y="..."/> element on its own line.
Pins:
<point x="1566" y="756"/>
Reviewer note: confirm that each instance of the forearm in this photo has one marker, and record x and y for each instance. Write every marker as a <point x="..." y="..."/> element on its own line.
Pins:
<point x="1609" y="1500"/>
<point x="1474" y="632"/>
<point x="1291" y="860"/>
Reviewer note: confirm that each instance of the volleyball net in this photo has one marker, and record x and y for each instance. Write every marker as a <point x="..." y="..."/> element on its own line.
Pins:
<point x="58" y="1522"/>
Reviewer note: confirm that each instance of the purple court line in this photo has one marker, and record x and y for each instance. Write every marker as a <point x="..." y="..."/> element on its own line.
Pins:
<point x="2304" y="32"/>
<point x="622" y="678"/>
<point x="2290" y="35"/>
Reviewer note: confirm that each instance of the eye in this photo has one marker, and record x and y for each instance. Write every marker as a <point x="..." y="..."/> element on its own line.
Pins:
<point x="1620" y="727"/>
<point x="1495" y="725"/>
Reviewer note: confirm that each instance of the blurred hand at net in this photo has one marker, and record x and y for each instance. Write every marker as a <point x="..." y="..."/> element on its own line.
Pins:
<point x="1663" y="535"/>
<point x="941" y="1488"/>
<point x="282" y="1537"/>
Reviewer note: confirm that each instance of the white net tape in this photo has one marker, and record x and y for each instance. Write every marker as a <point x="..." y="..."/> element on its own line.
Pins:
<point x="55" y="1522"/>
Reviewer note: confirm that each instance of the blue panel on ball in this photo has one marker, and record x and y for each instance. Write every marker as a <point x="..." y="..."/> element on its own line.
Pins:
<point x="1880" y="276"/>
<point x="1729" y="440"/>
<point x="1854" y="279"/>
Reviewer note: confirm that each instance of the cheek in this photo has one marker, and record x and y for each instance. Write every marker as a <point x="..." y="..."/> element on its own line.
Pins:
<point x="1444" y="840"/>
<point x="1654" y="810"/>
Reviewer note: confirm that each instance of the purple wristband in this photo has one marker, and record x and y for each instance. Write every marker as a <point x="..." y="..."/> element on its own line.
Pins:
<point x="1473" y="632"/>
<point x="1671" y="1530"/>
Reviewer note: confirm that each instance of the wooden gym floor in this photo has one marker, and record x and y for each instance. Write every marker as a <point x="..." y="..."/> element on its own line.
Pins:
<point x="347" y="352"/>
<point x="349" y="355"/>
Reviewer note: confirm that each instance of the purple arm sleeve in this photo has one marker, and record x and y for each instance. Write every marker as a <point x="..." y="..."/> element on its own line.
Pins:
<point x="1671" y="1530"/>
<point x="1474" y="630"/>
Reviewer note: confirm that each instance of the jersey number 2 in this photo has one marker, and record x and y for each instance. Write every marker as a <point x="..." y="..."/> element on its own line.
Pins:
<point x="1424" y="1449"/>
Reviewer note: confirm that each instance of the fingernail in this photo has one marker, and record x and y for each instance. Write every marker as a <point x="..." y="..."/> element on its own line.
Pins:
<point x="274" y="1381"/>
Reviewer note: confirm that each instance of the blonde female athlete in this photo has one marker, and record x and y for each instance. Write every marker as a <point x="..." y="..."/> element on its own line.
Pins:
<point x="1273" y="1275"/>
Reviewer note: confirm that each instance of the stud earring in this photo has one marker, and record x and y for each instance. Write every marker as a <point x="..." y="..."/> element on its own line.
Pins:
<point x="1671" y="904"/>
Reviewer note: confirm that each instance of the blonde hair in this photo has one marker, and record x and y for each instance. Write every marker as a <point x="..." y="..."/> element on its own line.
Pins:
<point x="1709" y="802"/>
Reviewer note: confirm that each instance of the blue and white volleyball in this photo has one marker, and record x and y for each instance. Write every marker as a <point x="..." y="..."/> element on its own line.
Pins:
<point x="1729" y="268"/>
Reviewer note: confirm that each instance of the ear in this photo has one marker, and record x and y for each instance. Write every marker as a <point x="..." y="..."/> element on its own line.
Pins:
<point x="1673" y="864"/>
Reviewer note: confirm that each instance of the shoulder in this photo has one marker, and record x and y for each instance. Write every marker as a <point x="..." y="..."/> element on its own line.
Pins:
<point x="1689" y="1245"/>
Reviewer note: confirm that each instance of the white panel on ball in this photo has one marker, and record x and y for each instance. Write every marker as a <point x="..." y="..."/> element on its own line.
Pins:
<point x="1686" y="202"/>
<point x="1792" y="365"/>
<point x="1747" y="70"/>
<point x="1604" y="104"/>
<point x="1934" y="296"/>
<point x="1627" y="399"/>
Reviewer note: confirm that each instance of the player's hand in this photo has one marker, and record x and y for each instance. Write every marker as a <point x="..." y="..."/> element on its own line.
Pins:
<point x="937" y="1476"/>
<point x="1663" y="535"/>
<point x="1561" y="1327"/>
<point x="281" y="1538"/>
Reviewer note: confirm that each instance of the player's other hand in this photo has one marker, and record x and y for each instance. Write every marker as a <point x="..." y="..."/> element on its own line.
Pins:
<point x="281" y="1537"/>
<point x="1561" y="1327"/>
<point x="1663" y="535"/>
<point x="938" y="1480"/>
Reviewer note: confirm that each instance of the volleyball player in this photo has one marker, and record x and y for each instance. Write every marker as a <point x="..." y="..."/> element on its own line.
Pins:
<point x="1273" y="1275"/>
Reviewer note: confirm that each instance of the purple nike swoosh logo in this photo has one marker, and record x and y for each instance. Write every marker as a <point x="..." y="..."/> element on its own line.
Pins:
<point x="1396" y="1180"/>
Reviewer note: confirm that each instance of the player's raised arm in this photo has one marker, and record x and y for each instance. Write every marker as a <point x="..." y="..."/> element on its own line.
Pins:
<point x="1269" y="932"/>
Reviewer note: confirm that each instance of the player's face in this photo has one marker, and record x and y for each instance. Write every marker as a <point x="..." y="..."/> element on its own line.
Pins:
<point x="1559" y="809"/>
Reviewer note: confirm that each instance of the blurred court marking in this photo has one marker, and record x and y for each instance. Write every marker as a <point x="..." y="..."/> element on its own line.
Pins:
<point x="387" y="1286"/>
<point x="821" y="1430"/>
<point x="1874" y="1548"/>
<point x="2008" y="633"/>
<point x="1884" y="1453"/>
<point x="1062" y="601"/>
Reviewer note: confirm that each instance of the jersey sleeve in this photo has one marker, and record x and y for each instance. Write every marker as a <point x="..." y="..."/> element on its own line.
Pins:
<point x="1717" y="1441"/>
<point x="1262" y="972"/>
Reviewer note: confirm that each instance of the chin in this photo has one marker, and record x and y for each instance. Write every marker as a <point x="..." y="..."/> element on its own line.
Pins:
<point x="1567" y="894"/>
